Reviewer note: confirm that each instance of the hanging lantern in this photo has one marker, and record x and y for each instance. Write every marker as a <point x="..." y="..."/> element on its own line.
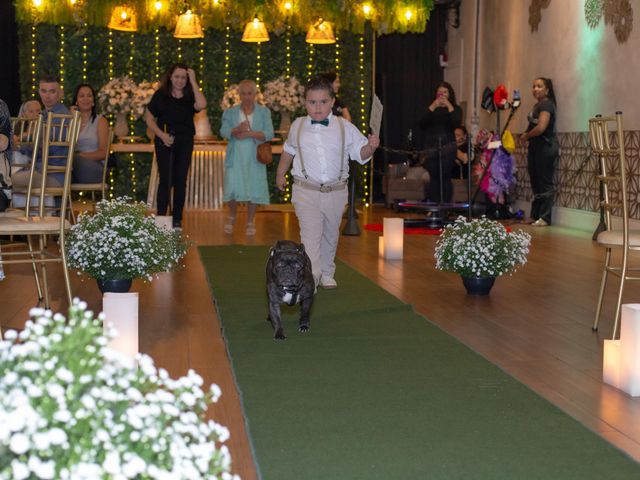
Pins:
<point x="321" y="33"/>
<point x="188" y="26"/>
<point x="123" y="18"/>
<point x="255" y="31"/>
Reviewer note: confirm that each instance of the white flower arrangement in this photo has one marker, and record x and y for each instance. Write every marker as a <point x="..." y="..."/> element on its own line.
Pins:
<point x="142" y="97"/>
<point x="123" y="95"/>
<point x="231" y="97"/>
<point x="120" y="241"/>
<point x="481" y="248"/>
<point x="71" y="408"/>
<point x="284" y="95"/>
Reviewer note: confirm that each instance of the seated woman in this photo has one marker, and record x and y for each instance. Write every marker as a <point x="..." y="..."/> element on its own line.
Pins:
<point x="92" y="144"/>
<point x="22" y="155"/>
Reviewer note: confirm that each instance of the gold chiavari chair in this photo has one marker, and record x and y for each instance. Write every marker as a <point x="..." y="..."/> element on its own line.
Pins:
<point x="28" y="134"/>
<point x="58" y="143"/>
<point x="617" y="236"/>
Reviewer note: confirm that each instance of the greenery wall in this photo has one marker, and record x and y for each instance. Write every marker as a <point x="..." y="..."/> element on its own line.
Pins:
<point x="59" y="50"/>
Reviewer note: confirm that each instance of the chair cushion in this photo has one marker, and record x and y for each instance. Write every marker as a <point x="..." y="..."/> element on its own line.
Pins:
<point x="613" y="238"/>
<point x="31" y="225"/>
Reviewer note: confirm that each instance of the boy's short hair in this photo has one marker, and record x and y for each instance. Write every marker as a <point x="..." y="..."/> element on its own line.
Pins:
<point x="47" y="77"/>
<point x="319" y="83"/>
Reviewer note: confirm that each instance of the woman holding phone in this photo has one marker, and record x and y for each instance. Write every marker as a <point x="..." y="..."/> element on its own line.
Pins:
<point x="443" y="116"/>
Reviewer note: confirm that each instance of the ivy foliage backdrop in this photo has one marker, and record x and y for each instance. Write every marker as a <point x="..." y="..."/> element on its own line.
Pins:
<point x="386" y="16"/>
<point x="134" y="53"/>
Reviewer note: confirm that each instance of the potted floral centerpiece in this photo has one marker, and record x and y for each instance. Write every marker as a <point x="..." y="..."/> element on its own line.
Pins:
<point x="121" y="97"/>
<point x="72" y="408"/>
<point x="284" y="96"/>
<point x="120" y="242"/>
<point x="479" y="250"/>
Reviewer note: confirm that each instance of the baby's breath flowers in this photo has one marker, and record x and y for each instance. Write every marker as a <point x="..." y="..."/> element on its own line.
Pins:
<point x="481" y="248"/>
<point x="71" y="408"/>
<point x="120" y="241"/>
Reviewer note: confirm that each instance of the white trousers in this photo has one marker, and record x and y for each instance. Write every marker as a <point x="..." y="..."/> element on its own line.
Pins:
<point x="319" y="215"/>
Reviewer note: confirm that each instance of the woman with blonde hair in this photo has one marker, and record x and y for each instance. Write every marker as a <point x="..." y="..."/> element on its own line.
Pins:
<point x="245" y="125"/>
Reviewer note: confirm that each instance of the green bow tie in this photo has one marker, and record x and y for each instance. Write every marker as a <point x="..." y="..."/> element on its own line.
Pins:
<point x="324" y="122"/>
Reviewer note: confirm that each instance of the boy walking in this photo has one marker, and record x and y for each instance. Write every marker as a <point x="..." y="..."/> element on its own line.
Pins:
<point x="319" y="146"/>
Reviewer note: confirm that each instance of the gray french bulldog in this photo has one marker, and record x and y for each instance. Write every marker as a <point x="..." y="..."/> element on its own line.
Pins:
<point x="290" y="281"/>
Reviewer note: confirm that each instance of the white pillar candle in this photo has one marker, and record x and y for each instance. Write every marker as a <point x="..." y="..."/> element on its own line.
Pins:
<point x="164" y="221"/>
<point x="121" y="312"/>
<point x="630" y="349"/>
<point x="611" y="364"/>
<point x="393" y="229"/>
<point x="381" y="246"/>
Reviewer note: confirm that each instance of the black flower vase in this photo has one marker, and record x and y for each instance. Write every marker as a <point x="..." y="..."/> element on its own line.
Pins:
<point x="121" y="285"/>
<point x="478" y="285"/>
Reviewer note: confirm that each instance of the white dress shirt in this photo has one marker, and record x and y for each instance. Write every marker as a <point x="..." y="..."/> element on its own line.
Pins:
<point x="320" y="147"/>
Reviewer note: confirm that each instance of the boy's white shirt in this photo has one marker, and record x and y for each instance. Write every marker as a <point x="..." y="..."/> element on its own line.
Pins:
<point x="321" y="148"/>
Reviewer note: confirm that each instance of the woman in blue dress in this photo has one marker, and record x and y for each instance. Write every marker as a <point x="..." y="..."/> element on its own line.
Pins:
<point x="245" y="126"/>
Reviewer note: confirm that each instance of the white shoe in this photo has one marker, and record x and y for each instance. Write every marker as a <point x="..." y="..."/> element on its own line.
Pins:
<point x="328" y="282"/>
<point x="540" y="223"/>
<point x="228" y="225"/>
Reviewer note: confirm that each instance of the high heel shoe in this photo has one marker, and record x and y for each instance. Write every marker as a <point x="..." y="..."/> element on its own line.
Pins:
<point x="251" y="229"/>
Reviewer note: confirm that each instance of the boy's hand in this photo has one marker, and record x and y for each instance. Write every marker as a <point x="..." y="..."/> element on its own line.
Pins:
<point x="281" y="182"/>
<point x="374" y="141"/>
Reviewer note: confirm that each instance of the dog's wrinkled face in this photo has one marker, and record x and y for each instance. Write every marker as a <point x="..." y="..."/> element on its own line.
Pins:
<point x="289" y="270"/>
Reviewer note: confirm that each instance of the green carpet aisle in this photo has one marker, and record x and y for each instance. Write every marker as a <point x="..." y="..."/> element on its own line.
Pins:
<point x="375" y="391"/>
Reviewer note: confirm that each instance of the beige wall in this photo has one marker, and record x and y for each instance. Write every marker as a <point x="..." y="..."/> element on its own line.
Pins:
<point x="592" y="73"/>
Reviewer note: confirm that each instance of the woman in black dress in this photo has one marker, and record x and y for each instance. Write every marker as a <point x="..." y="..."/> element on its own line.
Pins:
<point x="438" y="124"/>
<point x="169" y="116"/>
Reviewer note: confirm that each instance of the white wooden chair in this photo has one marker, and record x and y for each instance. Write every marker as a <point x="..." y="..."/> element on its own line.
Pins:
<point x="60" y="131"/>
<point x="617" y="236"/>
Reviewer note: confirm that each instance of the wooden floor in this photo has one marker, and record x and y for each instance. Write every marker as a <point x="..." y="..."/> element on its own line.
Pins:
<point x="535" y="325"/>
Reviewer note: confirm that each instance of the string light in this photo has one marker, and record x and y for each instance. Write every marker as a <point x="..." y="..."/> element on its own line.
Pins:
<point x="132" y="119"/>
<point x="337" y="59"/>
<point x="227" y="49"/>
<point x="34" y="79"/>
<point x="287" y="53"/>
<point x="363" y="119"/>
<point x="61" y="55"/>
<point x="110" y="62"/>
<point x="179" y="50"/>
<point x="156" y="52"/>
<point x="258" y="69"/>
<point x="311" y="52"/>
<point x="84" y="53"/>
<point x="201" y="58"/>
